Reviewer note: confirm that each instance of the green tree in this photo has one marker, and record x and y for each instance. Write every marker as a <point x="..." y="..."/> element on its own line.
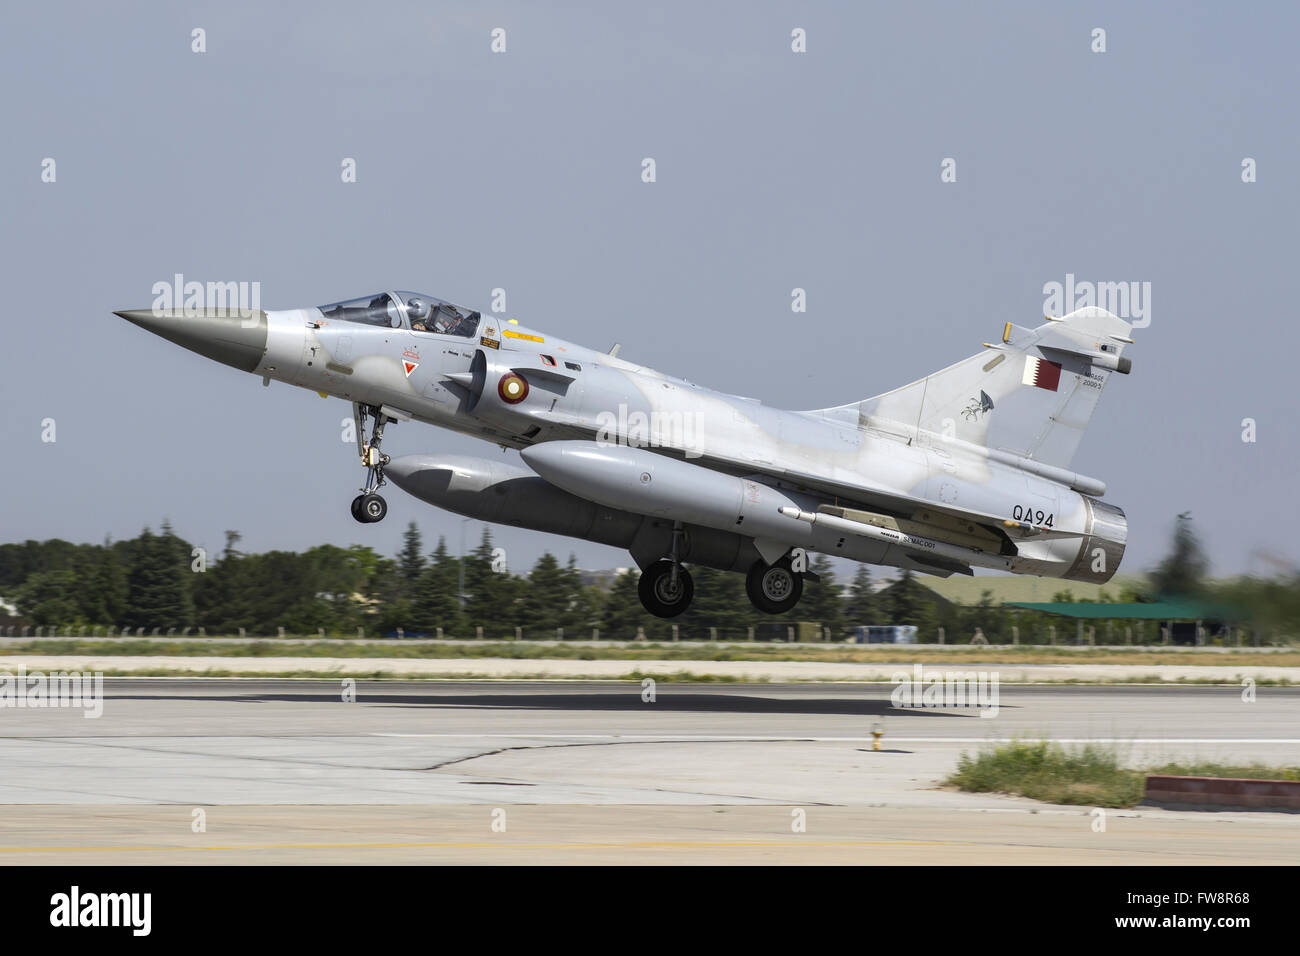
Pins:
<point x="821" y="601"/>
<point x="988" y="617"/>
<point x="719" y="602"/>
<point x="410" y="560"/>
<point x="910" y="602"/>
<point x="623" y="612"/>
<point x="160" y="581"/>
<point x="104" y="597"/>
<point x="586" y="602"/>
<point x="436" y="603"/>
<point x="490" y="592"/>
<point x="547" y="598"/>
<point x="1182" y="572"/>
<point x="862" y="607"/>
<point x="49" y="597"/>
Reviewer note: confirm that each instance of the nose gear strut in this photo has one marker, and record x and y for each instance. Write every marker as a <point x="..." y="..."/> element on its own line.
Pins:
<point x="369" y="506"/>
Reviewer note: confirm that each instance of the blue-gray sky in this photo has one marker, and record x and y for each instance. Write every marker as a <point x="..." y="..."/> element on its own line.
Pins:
<point x="521" y="170"/>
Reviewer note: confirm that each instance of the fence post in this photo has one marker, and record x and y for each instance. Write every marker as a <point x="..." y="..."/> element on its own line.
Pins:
<point x="941" y="635"/>
<point x="749" y="634"/>
<point x="674" y="632"/>
<point x="713" y="634"/>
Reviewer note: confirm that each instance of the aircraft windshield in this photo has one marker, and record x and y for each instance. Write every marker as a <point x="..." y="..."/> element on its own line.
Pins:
<point x="413" y="310"/>
<point x="380" y="309"/>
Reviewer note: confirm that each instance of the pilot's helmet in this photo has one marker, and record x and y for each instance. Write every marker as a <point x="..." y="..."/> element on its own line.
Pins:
<point x="417" y="308"/>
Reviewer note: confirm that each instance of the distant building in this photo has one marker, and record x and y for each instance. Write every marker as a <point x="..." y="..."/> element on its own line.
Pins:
<point x="602" y="578"/>
<point x="884" y="634"/>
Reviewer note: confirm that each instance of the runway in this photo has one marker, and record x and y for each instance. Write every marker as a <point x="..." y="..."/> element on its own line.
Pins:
<point x="288" y="771"/>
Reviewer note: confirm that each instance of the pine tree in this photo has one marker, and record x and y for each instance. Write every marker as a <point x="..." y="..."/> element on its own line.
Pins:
<point x="490" y="594"/>
<point x="104" y="597"/>
<point x="1182" y="572"/>
<point x="159" y="585"/>
<point x="547" y="599"/>
<point x="586" y="602"/>
<point x="436" y="603"/>
<point x="232" y="538"/>
<point x="720" y="603"/>
<point x="623" y="612"/>
<point x="821" y="601"/>
<point x="909" y="602"/>
<point x="862" y="608"/>
<point x="410" y="560"/>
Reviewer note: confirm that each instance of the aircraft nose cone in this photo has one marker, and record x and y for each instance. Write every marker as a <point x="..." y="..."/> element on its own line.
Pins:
<point x="223" y="335"/>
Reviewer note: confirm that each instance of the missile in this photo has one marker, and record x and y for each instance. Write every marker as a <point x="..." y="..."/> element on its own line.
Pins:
<point x="911" y="542"/>
<point x="641" y="481"/>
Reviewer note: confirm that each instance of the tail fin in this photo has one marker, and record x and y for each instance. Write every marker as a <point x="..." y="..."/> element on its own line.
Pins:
<point x="1032" y="394"/>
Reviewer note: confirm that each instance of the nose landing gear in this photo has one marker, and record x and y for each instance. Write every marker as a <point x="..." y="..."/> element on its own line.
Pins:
<point x="369" y="507"/>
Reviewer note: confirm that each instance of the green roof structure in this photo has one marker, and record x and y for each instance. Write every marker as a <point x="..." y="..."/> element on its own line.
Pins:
<point x="1178" y="609"/>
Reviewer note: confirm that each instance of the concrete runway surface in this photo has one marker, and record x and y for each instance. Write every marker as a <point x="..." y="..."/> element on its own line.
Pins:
<point x="287" y="772"/>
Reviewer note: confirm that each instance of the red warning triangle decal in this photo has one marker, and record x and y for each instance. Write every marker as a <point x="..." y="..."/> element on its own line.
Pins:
<point x="409" y="366"/>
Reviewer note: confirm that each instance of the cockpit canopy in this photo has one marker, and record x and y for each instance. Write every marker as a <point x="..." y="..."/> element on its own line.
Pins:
<point x="405" y="310"/>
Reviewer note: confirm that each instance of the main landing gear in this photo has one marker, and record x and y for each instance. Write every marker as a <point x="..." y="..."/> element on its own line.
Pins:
<point x="774" y="588"/>
<point x="666" y="588"/>
<point x="369" y="507"/>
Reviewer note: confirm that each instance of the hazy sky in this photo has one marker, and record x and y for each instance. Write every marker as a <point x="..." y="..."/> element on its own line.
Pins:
<point x="522" y="170"/>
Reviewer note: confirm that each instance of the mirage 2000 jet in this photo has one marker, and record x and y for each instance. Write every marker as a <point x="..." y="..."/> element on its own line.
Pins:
<point x="967" y="467"/>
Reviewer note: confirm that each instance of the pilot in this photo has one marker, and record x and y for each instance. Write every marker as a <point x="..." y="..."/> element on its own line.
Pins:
<point x="418" y="310"/>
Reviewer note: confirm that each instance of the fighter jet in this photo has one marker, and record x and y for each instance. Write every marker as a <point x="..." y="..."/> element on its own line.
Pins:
<point x="967" y="467"/>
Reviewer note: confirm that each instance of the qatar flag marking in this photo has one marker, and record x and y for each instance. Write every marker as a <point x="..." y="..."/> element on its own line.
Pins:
<point x="412" y="366"/>
<point x="1041" y="373"/>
